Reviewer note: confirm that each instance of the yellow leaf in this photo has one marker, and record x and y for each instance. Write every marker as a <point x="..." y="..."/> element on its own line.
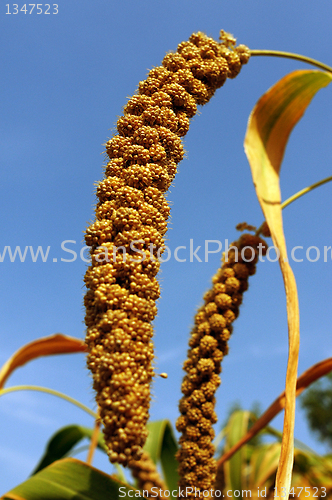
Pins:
<point x="269" y="127"/>
<point x="54" y="344"/>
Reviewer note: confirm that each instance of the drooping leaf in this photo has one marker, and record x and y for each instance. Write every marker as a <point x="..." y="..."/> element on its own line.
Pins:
<point x="269" y="127"/>
<point x="46" y="346"/>
<point x="63" y="442"/>
<point x="161" y="445"/>
<point x="70" y="479"/>
<point x="273" y="119"/>
<point x="308" y="377"/>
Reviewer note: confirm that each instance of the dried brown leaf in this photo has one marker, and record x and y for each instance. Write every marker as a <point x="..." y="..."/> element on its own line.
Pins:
<point x="45" y="346"/>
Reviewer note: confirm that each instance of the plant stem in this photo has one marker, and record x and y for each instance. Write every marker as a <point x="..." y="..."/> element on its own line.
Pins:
<point x="290" y="55"/>
<point x="94" y="440"/>
<point x="298" y="195"/>
<point x="48" y="391"/>
<point x="304" y="191"/>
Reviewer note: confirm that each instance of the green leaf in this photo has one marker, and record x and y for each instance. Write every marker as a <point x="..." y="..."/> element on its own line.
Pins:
<point x="235" y="468"/>
<point x="316" y="469"/>
<point x="169" y="463"/>
<point x="155" y="439"/>
<point x="263" y="464"/>
<point x="70" y="479"/>
<point x="63" y="442"/>
<point x="162" y="447"/>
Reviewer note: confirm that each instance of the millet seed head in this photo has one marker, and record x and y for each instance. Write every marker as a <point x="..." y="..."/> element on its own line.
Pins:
<point x="208" y="345"/>
<point x="120" y="301"/>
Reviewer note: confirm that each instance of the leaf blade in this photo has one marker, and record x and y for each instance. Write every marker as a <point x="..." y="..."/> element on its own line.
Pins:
<point x="169" y="463"/>
<point x="161" y="445"/>
<point x="269" y="126"/>
<point x="279" y="109"/>
<point x="62" y="442"/>
<point x="70" y="479"/>
<point x="45" y="346"/>
<point x="234" y="469"/>
<point x="263" y="464"/>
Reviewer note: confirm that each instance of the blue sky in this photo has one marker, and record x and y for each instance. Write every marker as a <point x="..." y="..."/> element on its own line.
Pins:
<point x="64" y="81"/>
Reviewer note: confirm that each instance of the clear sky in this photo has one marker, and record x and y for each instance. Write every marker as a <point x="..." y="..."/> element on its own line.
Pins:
<point x="64" y="80"/>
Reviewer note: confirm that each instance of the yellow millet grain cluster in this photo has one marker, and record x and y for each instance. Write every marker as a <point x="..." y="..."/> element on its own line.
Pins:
<point x="208" y="346"/>
<point x="147" y="476"/>
<point x="130" y="225"/>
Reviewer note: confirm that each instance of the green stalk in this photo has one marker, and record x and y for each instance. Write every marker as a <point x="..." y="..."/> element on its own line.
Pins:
<point x="48" y="391"/>
<point x="304" y="191"/>
<point x="290" y="55"/>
